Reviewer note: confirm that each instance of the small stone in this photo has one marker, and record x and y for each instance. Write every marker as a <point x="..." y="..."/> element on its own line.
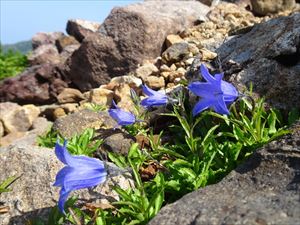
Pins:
<point x="265" y="7"/>
<point x="165" y="75"/>
<point x="176" y="52"/>
<point x="101" y="96"/>
<point x="155" y="82"/>
<point x="177" y="74"/>
<point x="70" y="95"/>
<point x="173" y="67"/>
<point x="193" y="49"/>
<point x="32" y="111"/>
<point x="65" y="41"/>
<point x="165" y="68"/>
<point x="131" y="80"/>
<point x="207" y="55"/>
<point x="59" y="112"/>
<point x="146" y="70"/>
<point x="122" y="93"/>
<point x="189" y="61"/>
<point x="172" y="39"/>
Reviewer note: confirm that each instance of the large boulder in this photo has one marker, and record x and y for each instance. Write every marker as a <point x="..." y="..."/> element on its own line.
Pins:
<point x="269" y="57"/>
<point x="42" y="38"/>
<point x="263" y="190"/>
<point x="36" y="85"/>
<point x="128" y="36"/>
<point x="33" y="195"/>
<point x="80" y="29"/>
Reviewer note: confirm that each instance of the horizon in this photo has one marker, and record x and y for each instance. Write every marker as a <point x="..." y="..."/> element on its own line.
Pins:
<point x="48" y="16"/>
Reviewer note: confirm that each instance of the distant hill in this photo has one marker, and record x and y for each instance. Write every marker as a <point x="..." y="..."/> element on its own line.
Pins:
<point x="23" y="46"/>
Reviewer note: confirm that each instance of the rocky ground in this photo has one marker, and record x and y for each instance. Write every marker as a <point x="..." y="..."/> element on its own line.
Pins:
<point x="161" y="44"/>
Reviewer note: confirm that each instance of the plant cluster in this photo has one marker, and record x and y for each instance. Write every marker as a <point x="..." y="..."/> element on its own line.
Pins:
<point x="203" y="146"/>
<point x="11" y="63"/>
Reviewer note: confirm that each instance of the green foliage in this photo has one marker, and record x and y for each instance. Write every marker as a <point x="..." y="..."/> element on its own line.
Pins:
<point x="95" y="107"/>
<point x="82" y="144"/>
<point x="11" y="63"/>
<point x="6" y="183"/>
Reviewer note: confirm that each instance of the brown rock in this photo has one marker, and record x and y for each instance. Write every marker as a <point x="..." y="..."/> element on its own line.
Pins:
<point x="41" y="38"/>
<point x="36" y="85"/>
<point x="1" y="129"/>
<point x="155" y="82"/>
<point x="65" y="41"/>
<point x="32" y="112"/>
<point x="80" y="29"/>
<point x="131" y="80"/>
<point x="176" y="52"/>
<point x="207" y="55"/>
<point x="101" y="96"/>
<point x="58" y="112"/>
<point x="11" y="137"/>
<point x="128" y="36"/>
<point x="146" y="70"/>
<point x="172" y="39"/>
<point x="70" y="95"/>
<point x="265" y="7"/>
<point x="44" y="54"/>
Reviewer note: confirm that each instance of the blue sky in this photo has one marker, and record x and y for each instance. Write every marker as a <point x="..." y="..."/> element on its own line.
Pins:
<point x="20" y="20"/>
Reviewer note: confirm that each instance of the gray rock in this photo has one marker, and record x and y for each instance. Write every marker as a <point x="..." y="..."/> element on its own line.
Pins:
<point x="176" y="52"/>
<point x="263" y="190"/>
<point x="47" y="53"/>
<point x="77" y="122"/>
<point x="269" y="57"/>
<point x="33" y="194"/>
<point x="80" y="29"/>
<point x="128" y="36"/>
<point x="265" y="7"/>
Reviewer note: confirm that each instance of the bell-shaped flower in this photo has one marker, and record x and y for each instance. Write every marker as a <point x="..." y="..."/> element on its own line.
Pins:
<point x="215" y="93"/>
<point x="79" y="172"/>
<point x="122" y="117"/>
<point x="154" y="98"/>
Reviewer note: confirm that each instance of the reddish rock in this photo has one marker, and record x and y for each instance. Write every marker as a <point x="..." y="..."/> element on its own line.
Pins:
<point x="80" y="29"/>
<point x="65" y="41"/>
<point x="36" y="85"/>
<point x="128" y="36"/>
<point x="45" y="38"/>
<point x="44" y="54"/>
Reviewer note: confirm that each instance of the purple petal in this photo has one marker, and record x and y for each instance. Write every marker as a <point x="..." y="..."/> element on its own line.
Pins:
<point x="148" y="91"/>
<point x="63" y="196"/>
<point x="121" y="116"/>
<point x="60" y="151"/>
<point x="229" y="91"/>
<point x="60" y="176"/>
<point x="202" y="105"/>
<point x="220" y="106"/>
<point x="206" y="75"/>
<point x="155" y="100"/>
<point x="204" y="90"/>
<point x="219" y="76"/>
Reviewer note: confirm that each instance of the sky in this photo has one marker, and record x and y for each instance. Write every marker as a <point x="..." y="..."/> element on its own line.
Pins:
<point x="20" y="20"/>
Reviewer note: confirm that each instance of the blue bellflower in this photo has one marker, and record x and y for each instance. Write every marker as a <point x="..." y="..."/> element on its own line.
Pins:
<point x="215" y="93"/>
<point x="155" y="98"/>
<point x="122" y="117"/>
<point x="79" y="172"/>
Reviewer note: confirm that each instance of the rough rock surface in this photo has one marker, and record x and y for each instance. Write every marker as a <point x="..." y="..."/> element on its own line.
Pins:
<point x="128" y="36"/>
<point x="36" y="85"/>
<point x="33" y="194"/>
<point x="263" y="190"/>
<point x="264" y="7"/>
<point x="45" y="38"/>
<point x="77" y="122"/>
<point x="47" y="53"/>
<point x="80" y="29"/>
<point x="269" y="57"/>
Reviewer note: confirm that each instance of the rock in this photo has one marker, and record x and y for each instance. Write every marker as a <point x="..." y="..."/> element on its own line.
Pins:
<point x="48" y="111"/>
<point x="14" y="117"/>
<point x="114" y="53"/>
<point x="65" y="41"/>
<point x="123" y="96"/>
<point x="41" y="38"/>
<point x="263" y="190"/>
<point x="100" y="96"/>
<point x="172" y="39"/>
<point x="207" y="55"/>
<point x="10" y="138"/>
<point x="146" y="70"/>
<point x="269" y="57"/>
<point x="58" y="112"/>
<point x="44" y="54"/>
<point x="265" y="7"/>
<point x="81" y="28"/>
<point x="77" y="122"/>
<point x="32" y="112"/>
<point x="67" y="52"/>
<point x="116" y="141"/>
<point x="36" y="85"/>
<point x="131" y="80"/>
<point x="155" y="82"/>
<point x="1" y="129"/>
<point x="70" y="95"/>
<point x="33" y="194"/>
<point x="176" y="52"/>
